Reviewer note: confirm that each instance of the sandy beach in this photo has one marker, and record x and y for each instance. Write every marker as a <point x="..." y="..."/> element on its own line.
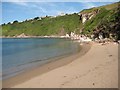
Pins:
<point x="96" y="67"/>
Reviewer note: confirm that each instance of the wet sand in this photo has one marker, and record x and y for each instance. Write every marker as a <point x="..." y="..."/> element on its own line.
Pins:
<point x="26" y="76"/>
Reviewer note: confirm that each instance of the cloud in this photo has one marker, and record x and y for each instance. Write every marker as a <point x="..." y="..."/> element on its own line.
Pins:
<point x="57" y="8"/>
<point x="87" y="5"/>
<point x="50" y="8"/>
<point x="15" y="1"/>
<point x="71" y="10"/>
<point x="20" y="3"/>
<point x="33" y="5"/>
<point x="42" y="9"/>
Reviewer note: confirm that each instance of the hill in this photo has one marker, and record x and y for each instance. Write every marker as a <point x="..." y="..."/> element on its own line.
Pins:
<point x="103" y="20"/>
<point x="44" y="26"/>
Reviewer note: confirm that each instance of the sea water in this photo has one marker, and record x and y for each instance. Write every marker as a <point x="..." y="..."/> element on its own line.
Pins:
<point x="19" y="55"/>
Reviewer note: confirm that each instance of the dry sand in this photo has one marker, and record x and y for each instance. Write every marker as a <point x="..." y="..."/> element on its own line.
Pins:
<point x="98" y="68"/>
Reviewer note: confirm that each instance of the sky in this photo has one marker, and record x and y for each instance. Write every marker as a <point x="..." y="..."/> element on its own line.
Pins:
<point x="21" y="11"/>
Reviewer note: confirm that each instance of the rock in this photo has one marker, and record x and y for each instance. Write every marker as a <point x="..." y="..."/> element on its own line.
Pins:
<point x="86" y="16"/>
<point x="21" y="35"/>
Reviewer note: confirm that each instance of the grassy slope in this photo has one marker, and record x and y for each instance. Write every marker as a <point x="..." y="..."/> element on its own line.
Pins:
<point x="46" y="26"/>
<point x="107" y="14"/>
<point x="95" y="21"/>
<point x="107" y="7"/>
<point x="62" y="24"/>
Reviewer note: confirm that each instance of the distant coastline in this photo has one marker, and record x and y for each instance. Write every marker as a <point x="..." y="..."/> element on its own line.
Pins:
<point x="27" y="36"/>
<point x="38" y="37"/>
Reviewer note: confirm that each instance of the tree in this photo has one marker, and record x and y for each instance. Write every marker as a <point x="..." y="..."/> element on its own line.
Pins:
<point x="15" y="21"/>
<point x="3" y="24"/>
<point x="36" y="18"/>
<point x="9" y="23"/>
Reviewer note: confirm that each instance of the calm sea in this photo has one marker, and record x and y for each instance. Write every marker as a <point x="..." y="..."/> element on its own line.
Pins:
<point x="19" y="55"/>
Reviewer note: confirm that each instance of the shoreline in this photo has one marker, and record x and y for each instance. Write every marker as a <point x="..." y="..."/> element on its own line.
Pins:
<point x="98" y="68"/>
<point x="37" y="37"/>
<point x="45" y="68"/>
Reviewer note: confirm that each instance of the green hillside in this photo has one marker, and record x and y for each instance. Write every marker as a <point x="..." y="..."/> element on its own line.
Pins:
<point x="106" y="20"/>
<point x="47" y="26"/>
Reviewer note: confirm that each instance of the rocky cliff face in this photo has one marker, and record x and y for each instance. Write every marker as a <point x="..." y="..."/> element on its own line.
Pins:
<point x="84" y="16"/>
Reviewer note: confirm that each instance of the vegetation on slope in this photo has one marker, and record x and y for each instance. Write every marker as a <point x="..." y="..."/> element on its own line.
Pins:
<point x="107" y="22"/>
<point x="109" y="25"/>
<point x="47" y="26"/>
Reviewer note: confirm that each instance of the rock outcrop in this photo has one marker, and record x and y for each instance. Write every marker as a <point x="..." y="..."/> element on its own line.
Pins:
<point x="21" y="35"/>
<point x="84" y="16"/>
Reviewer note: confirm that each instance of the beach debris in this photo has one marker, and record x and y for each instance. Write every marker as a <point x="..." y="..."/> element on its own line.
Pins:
<point x="93" y="83"/>
<point x="62" y="84"/>
<point x="48" y="68"/>
<point x="103" y="43"/>
<point x="110" y="55"/>
<point x="76" y="77"/>
<point x="65" y="76"/>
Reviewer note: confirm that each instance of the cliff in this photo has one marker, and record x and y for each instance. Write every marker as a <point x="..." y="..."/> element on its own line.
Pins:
<point x="84" y="16"/>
